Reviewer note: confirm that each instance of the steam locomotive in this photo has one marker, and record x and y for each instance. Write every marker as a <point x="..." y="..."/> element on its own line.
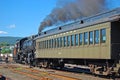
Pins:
<point x="93" y="42"/>
<point x="23" y="48"/>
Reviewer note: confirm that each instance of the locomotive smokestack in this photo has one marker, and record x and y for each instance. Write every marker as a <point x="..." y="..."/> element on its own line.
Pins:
<point x="67" y="10"/>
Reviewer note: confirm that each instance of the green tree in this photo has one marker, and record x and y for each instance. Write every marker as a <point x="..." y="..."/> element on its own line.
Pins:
<point x="5" y="50"/>
<point x="4" y="44"/>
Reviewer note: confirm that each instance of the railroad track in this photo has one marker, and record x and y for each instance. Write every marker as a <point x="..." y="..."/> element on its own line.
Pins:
<point x="39" y="75"/>
<point x="23" y="71"/>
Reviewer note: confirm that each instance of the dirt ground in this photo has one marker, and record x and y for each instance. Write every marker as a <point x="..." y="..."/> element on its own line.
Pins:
<point x="12" y="75"/>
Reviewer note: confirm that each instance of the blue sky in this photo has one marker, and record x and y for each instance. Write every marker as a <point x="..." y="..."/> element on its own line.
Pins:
<point x="111" y="4"/>
<point x="21" y="18"/>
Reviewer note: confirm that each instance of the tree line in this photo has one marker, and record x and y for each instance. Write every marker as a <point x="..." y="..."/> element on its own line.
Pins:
<point x="5" y="48"/>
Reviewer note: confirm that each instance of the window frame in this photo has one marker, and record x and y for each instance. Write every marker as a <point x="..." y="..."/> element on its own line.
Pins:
<point x="80" y="38"/>
<point x="96" y="37"/>
<point x="61" y="41"/>
<point x="103" y="36"/>
<point x="72" y="40"/>
<point x="85" y="38"/>
<point x="64" y="41"/>
<point x="68" y="41"/>
<point x="76" y="39"/>
<point x="49" y="43"/>
<point x="91" y="37"/>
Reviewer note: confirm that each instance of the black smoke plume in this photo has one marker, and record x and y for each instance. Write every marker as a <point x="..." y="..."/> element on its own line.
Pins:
<point x="67" y="10"/>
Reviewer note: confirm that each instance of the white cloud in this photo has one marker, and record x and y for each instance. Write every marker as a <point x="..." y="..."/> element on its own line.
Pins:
<point x="12" y="26"/>
<point x="3" y="32"/>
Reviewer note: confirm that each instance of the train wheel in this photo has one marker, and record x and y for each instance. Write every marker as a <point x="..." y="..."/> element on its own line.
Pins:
<point x="45" y="64"/>
<point x="62" y="65"/>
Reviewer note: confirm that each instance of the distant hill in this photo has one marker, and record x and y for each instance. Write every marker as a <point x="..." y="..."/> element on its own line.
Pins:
<point x="10" y="40"/>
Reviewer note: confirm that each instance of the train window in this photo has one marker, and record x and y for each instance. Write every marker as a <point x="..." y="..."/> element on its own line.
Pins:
<point x="47" y="44"/>
<point x="39" y="45"/>
<point x="24" y="44"/>
<point x="51" y="43"/>
<point x="80" y="38"/>
<point x="60" y="41"/>
<point x="91" y="37"/>
<point x="28" y="43"/>
<point x="65" y="41"/>
<point x="44" y="44"/>
<point x="76" y="39"/>
<point x="96" y="36"/>
<point x="68" y="40"/>
<point x="31" y="43"/>
<point x="103" y="35"/>
<point x="72" y="40"/>
<point x="86" y="38"/>
<point x="54" y="43"/>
